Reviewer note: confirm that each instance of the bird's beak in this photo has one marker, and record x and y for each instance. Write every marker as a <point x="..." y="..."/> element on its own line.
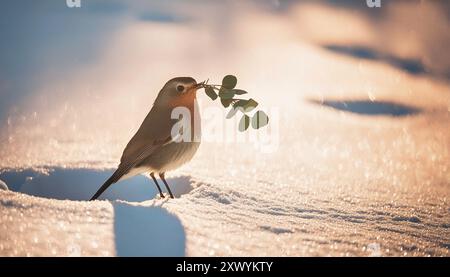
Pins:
<point x="200" y="85"/>
<point x="195" y="87"/>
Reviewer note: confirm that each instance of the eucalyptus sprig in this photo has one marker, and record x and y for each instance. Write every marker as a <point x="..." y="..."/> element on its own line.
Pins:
<point x="227" y="92"/>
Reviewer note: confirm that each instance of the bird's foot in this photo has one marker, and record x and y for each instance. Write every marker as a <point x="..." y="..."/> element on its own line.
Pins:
<point x="163" y="196"/>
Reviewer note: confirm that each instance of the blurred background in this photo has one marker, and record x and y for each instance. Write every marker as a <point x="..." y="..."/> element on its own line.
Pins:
<point x="85" y="77"/>
<point x="359" y="106"/>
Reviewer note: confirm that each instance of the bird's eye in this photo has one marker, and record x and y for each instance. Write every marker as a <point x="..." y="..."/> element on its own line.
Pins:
<point x="180" y="88"/>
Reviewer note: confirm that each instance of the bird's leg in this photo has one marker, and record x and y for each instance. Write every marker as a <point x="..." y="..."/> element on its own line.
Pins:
<point x="167" y="185"/>
<point x="156" y="183"/>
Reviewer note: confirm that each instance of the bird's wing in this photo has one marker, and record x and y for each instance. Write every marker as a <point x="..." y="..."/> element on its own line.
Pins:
<point x="155" y="127"/>
<point x="155" y="131"/>
<point x="126" y="165"/>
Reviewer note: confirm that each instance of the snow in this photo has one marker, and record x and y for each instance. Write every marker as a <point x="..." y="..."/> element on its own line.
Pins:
<point x="3" y="185"/>
<point x="67" y="228"/>
<point x="359" y="163"/>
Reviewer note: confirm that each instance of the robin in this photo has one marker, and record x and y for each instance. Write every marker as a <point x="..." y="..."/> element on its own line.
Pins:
<point x="153" y="149"/>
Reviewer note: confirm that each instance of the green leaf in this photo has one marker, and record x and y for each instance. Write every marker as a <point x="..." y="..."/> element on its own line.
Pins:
<point x="233" y="112"/>
<point x="211" y="93"/>
<point x="226" y="93"/>
<point x="239" y="91"/>
<point x="226" y="102"/>
<point x="251" y="104"/>
<point x="240" y="103"/>
<point x="244" y="123"/>
<point x="247" y="105"/>
<point x="259" y="119"/>
<point x="229" y="82"/>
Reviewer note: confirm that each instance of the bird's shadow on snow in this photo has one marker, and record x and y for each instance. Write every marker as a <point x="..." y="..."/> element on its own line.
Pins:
<point x="147" y="231"/>
<point x="81" y="184"/>
<point x="140" y="229"/>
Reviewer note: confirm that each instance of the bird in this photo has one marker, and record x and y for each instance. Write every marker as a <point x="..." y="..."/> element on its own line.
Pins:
<point x="153" y="149"/>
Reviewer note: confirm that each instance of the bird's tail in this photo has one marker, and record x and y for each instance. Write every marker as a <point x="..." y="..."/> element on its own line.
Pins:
<point x="114" y="178"/>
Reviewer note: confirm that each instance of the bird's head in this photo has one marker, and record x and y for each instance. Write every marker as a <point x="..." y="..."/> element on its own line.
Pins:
<point x="180" y="91"/>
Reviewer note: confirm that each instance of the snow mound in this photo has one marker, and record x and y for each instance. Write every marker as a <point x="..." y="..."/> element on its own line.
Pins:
<point x="33" y="226"/>
<point x="3" y="185"/>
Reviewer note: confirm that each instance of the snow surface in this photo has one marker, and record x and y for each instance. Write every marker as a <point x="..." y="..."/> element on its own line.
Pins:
<point x="3" y="186"/>
<point x="360" y="164"/>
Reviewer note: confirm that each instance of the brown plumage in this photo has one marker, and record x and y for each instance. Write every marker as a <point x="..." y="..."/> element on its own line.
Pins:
<point x="152" y="149"/>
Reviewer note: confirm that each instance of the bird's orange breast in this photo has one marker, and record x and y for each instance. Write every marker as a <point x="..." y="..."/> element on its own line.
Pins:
<point x="184" y="100"/>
